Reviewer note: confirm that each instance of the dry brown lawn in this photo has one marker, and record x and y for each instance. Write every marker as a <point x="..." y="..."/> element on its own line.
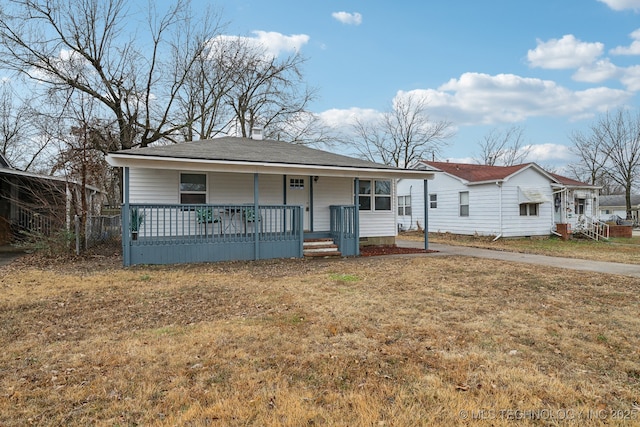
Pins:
<point x="616" y="250"/>
<point x="377" y="341"/>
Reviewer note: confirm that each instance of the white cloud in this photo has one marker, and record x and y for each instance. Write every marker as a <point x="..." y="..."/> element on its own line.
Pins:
<point x="506" y="98"/>
<point x="632" y="49"/>
<point x="348" y="18"/>
<point x="597" y="72"/>
<point x="483" y="99"/>
<point x="567" y="52"/>
<point x="273" y="43"/>
<point x="277" y="43"/>
<point x="338" y="118"/>
<point x="622" y="4"/>
<point x="548" y="152"/>
<point x="631" y="78"/>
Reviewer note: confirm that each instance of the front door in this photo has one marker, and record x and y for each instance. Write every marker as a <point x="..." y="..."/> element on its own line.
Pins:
<point x="298" y="194"/>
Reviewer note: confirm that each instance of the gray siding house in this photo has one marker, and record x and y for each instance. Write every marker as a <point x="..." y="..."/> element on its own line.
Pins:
<point x="242" y="199"/>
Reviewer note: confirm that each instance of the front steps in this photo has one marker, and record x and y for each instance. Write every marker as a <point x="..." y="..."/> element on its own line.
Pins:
<point x="314" y="248"/>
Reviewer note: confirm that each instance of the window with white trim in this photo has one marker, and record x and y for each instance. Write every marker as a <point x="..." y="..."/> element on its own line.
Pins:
<point x="464" y="203"/>
<point x="296" y="183"/>
<point x="433" y="201"/>
<point x="529" y="209"/>
<point x="193" y="188"/>
<point x="380" y="191"/>
<point x="404" y="205"/>
<point x="580" y="205"/>
<point x="383" y="196"/>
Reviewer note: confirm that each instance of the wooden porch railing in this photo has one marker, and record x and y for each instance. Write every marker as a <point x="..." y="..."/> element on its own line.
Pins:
<point x="344" y="229"/>
<point x="163" y="234"/>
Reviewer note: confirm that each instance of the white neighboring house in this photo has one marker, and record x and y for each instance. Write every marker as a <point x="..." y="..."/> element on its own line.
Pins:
<point x="503" y="201"/>
<point x="615" y="204"/>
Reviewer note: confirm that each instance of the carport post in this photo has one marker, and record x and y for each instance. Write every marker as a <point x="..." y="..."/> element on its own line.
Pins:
<point x="125" y="217"/>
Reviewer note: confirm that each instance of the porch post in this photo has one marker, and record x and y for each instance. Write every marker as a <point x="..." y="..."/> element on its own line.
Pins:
<point x="310" y="203"/>
<point x="125" y="212"/>
<point x="426" y="214"/>
<point x="256" y="217"/>
<point x="356" y="201"/>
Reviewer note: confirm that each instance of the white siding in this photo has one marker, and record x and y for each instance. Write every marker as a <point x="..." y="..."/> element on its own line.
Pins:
<point x="516" y="225"/>
<point x="326" y="192"/>
<point x="162" y="187"/>
<point x="413" y="188"/>
<point x="485" y="203"/>
<point x="154" y="186"/>
<point x="380" y="223"/>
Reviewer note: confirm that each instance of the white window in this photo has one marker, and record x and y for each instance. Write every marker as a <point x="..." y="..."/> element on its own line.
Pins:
<point x="433" y="201"/>
<point x="529" y="209"/>
<point x="193" y="188"/>
<point x="296" y="183"/>
<point x="579" y="206"/>
<point x="381" y="195"/>
<point x="464" y="203"/>
<point x="404" y="205"/>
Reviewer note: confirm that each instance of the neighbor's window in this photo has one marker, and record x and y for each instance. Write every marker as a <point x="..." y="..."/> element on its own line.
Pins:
<point x="433" y="201"/>
<point x="529" y="209"/>
<point x="404" y="205"/>
<point x="464" y="203"/>
<point x="193" y="188"/>
<point x="579" y="206"/>
<point x="383" y="196"/>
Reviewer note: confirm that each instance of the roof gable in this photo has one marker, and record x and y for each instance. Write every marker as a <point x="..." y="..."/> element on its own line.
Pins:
<point x="474" y="174"/>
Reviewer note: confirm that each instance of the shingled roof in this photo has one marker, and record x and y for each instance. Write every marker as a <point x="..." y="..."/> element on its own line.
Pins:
<point x="234" y="149"/>
<point x="473" y="173"/>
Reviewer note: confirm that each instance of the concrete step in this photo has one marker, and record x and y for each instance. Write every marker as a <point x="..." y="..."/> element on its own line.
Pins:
<point x="320" y="248"/>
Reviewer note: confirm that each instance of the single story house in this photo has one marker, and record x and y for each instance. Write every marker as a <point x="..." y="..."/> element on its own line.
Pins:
<point x="36" y="203"/>
<point x="236" y="198"/>
<point x="616" y="204"/>
<point x="502" y="201"/>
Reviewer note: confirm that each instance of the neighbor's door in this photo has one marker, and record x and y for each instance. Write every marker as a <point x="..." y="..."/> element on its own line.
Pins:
<point x="298" y="194"/>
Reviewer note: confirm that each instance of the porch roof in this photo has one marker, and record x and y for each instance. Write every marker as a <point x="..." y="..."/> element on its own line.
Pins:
<point x="244" y="155"/>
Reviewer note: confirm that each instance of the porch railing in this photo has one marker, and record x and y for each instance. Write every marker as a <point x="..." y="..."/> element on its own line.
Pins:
<point x="344" y="229"/>
<point x="197" y="233"/>
<point x="593" y="228"/>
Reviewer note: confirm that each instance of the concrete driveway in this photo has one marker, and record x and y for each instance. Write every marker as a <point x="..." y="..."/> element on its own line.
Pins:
<point x="549" y="261"/>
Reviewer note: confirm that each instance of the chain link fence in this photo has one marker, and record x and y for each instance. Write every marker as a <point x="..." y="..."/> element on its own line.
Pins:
<point x="99" y="229"/>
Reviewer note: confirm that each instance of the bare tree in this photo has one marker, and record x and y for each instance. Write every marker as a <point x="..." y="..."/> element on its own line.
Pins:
<point x="619" y="134"/>
<point x="503" y="147"/>
<point x="82" y="46"/>
<point x="267" y="91"/>
<point x="591" y="166"/>
<point x="404" y="135"/>
<point x="16" y="128"/>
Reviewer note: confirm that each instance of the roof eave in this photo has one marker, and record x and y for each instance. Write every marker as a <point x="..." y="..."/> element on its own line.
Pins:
<point x="178" y="163"/>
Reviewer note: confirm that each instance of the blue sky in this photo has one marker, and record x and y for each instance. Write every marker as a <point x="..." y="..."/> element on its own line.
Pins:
<point x="548" y="66"/>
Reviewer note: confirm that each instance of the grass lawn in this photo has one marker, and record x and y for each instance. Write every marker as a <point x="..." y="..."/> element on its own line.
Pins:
<point x="377" y="341"/>
<point x="615" y="250"/>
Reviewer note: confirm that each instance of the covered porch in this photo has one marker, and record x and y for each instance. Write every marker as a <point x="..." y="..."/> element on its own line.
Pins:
<point x="242" y="199"/>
